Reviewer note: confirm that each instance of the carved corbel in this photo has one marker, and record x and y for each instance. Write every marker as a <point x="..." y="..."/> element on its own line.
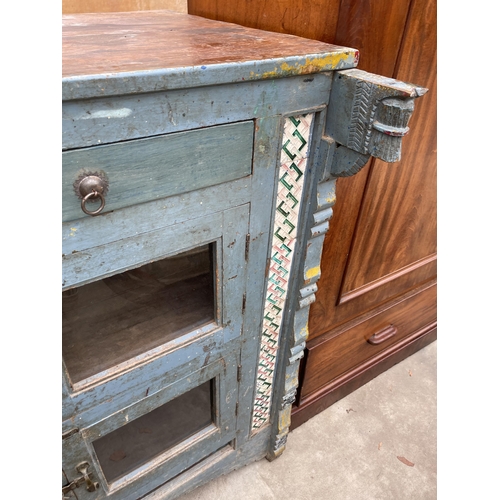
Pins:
<point x="368" y="116"/>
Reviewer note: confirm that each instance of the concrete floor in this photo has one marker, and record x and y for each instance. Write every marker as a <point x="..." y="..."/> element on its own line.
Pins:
<point x="378" y="443"/>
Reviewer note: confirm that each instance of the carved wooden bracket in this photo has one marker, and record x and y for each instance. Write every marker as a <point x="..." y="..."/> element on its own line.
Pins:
<point x="369" y="117"/>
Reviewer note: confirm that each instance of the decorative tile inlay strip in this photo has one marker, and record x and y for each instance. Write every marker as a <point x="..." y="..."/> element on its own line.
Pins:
<point x="294" y="156"/>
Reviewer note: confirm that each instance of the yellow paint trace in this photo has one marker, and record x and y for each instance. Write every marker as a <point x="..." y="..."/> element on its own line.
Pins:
<point x="304" y="332"/>
<point x="284" y="420"/>
<point x="331" y="198"/>
<point x="326" y="62"/>
<point x="311" y="273"/>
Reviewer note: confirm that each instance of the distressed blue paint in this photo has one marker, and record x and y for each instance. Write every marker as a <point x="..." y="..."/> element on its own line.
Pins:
<point x="138" y="82"/>
<point x="157" y="167"/>
<point x="186" y="109"/>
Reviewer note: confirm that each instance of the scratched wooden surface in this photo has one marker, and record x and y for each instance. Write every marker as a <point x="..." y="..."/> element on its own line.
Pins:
<point x="129" y="41"/>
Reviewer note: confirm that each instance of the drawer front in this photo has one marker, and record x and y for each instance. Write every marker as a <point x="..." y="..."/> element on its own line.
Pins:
<point x="330" y="359"/>
<point x="156" y="167"/>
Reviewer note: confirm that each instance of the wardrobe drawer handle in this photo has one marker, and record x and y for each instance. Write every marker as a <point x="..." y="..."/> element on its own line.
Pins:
<point x="383" y="335"/>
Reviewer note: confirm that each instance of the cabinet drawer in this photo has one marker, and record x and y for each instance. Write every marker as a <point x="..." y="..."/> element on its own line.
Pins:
<point x="156" y="167"/>
<point x="331" y="358"/>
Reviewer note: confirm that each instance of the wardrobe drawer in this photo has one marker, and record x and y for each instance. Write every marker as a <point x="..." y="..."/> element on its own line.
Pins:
<point x="156" y="167"/>
<point x="328" y="359"/>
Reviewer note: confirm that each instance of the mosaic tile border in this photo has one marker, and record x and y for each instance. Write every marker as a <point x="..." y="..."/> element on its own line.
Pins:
<point x="293" y="164"/>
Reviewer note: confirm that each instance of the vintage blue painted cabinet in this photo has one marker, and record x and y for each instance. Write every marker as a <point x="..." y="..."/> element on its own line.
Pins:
<point x="199" y="167"/>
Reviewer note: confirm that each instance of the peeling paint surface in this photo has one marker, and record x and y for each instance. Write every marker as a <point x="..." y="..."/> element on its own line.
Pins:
<point x="313" y="272"/>
<point x="305" y="332"/>
<point x="314" y="64"/>
<point x="104" y="113"/>
<point x="331" y="198"/>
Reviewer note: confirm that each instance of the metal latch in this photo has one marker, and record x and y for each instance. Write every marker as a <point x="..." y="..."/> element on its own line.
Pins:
<point x="83" y="469"/>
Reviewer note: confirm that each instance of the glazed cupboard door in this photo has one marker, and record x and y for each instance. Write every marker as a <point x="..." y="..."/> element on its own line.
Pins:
<point x="140" y="447"/>
<point x="152" y="333"/>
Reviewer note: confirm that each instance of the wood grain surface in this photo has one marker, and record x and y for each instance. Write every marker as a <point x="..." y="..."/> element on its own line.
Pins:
<point x="124" y="42"/>
<point x="387" y="248"/>
<point x="314" y="20"/>
<point x="328" y="360"/>
<point x="398" y="216"/>
<point x="375" y="28"/>
<point x="77" y="6"/>
<point x="381" y="241"/>
<point x="382" y="238"/>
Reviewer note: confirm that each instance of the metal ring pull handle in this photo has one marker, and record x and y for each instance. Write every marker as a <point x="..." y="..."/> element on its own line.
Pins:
<point x="91" y="187"/>
<point x="91" y="196"/>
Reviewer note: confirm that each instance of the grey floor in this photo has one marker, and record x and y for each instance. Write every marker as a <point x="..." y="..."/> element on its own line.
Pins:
<point x="379" y="442"/>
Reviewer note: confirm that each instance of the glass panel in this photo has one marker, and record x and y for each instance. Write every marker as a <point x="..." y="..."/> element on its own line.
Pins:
<point x="117" y="318"/>
<point x="143" y="439"/>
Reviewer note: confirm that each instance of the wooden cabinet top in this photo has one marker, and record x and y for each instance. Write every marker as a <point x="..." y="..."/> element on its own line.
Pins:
<point x="129" y="52"/>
